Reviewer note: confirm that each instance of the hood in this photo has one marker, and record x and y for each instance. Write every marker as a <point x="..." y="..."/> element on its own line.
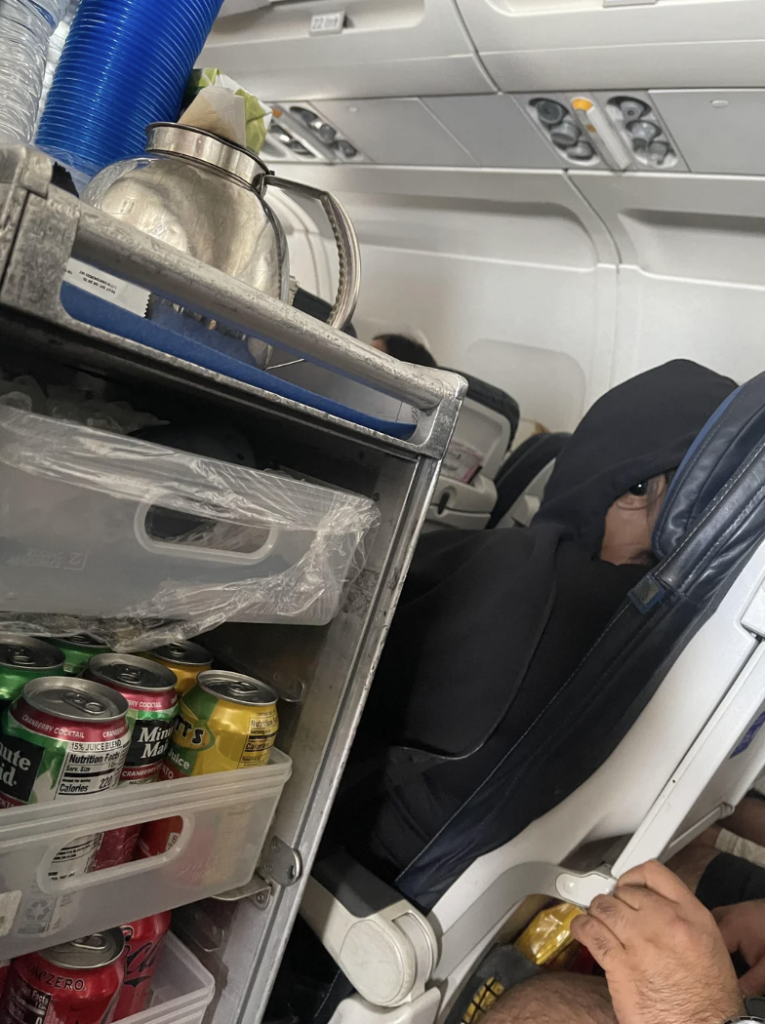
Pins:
<point x="637" y="430"/>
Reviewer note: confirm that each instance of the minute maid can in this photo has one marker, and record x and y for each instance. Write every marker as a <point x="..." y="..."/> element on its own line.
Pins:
<point x="62" y="739"/>
<point x="226" y="722"/>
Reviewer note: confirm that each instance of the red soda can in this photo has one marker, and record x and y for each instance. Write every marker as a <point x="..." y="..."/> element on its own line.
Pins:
<point x="74" y="983"/>
<point x="4" y="967"/>
<point x="143" y="941"/>
<point x="149" y="689"/>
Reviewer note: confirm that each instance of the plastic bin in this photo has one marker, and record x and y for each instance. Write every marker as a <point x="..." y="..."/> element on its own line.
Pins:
<point x="98" y="525"/>
<point x="182" y="988"/>
<point x="226" y="817"/>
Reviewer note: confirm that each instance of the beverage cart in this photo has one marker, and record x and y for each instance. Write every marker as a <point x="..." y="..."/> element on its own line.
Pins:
<point x="236" y="918"/>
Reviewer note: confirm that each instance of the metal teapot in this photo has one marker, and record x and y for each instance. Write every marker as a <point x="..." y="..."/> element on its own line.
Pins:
<point x="205" y="196"/>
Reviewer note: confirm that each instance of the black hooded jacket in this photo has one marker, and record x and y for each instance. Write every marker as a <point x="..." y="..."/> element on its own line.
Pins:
<point x="490" y="625"/>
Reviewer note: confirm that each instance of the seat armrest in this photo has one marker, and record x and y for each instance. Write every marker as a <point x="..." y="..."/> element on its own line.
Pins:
<point x="384" y="946"/>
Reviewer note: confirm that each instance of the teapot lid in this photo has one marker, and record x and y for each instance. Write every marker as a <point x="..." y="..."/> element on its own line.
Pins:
<point x="205" y="148"/>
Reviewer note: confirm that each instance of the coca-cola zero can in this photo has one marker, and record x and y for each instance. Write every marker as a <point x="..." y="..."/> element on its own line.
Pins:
<point x="73" y="983"/>
<point x="143" y="941"/>
<point x="5" y="966"/>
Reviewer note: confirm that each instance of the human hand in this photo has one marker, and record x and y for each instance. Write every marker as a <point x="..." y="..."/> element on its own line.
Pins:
<point x="663" y="954"/>
<point x="743" y="929"/>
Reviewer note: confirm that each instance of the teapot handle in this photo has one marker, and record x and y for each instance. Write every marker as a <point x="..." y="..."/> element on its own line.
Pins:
<point x="348" y="252"/>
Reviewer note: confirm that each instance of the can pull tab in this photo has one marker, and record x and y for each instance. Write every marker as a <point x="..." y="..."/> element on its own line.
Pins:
<point x="22" y="657"/>
<point x="242" y="689"/>
<point x="97" y="942"/>
<point x="83" y="702"/>
<point x="129" y="674"/>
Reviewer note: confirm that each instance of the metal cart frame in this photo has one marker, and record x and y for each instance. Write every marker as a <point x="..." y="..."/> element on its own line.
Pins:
<point x="323" y="673"/>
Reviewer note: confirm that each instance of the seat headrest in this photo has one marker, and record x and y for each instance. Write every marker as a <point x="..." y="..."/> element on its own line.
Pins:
<point x="721" y="449"/>
<point x="493" y="398"/>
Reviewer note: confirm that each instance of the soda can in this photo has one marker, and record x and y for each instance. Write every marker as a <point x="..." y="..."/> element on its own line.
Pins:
<point x="23" y="658"/>
<point x="143" y="941"/>
<point x="149" y="690"/>
<point x="75" y="981"/>
<point x="185" y="659"/>
<point x="62" y="738"/>
<point x="226" y="722"/>
<point x="78" y="649"/>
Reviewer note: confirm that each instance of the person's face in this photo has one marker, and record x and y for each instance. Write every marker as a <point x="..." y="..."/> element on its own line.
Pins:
<point x="380" y="345"/>
<point x="630" y="522"/>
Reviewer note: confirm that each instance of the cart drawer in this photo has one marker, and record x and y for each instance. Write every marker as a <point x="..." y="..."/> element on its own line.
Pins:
<point x="225" y="818"/>
<point x="103" y="526"/>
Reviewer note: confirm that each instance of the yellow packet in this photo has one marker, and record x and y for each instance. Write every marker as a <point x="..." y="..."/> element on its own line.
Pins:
<point x="548" y="934"/>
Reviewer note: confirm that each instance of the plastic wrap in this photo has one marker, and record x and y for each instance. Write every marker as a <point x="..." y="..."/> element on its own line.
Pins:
<point x="141" y="544"/>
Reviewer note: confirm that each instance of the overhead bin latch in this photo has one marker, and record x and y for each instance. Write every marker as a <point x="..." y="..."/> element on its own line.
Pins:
<point x="627" y="3"/>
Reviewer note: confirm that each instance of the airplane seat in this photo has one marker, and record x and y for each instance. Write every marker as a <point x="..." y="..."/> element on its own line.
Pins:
<point x="654" y="736"/>
<point x="465" y="493"/>
<point x="522" y="478"/>
<point x="318" y="308"/>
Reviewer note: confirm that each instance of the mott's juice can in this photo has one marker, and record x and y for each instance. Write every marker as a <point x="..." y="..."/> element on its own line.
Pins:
<point x="23" y="658"/>
<point x="74" y="983"/>
<point x="184" y="659"/>
<point x="226" y="722"/>
<point x="78" y="649"/>
<point x="63" y="738"/>
<point x="149" y="690"/>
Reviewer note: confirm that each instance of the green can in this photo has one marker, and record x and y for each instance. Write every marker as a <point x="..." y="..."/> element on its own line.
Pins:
<point x="78" y="649"/>
<point x="23" y="658"/>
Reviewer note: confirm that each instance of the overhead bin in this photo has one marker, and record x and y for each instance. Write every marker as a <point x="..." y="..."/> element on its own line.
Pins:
<point x="611" y="44"/>
<point x="238" y="6"/>
<point x="336" y="49"/>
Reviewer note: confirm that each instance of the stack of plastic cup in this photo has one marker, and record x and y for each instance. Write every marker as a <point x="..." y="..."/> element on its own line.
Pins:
<point x="25" y="29"/>
<point x="125" y="64"/>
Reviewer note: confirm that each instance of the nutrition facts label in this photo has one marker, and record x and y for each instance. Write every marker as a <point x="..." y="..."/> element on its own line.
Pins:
<point x="26" y="1005"/>
<point x="74" y="859"/>
<point x="91" y="769"/>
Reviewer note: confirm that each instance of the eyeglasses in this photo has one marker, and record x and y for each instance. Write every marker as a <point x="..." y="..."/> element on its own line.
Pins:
<point x="645" y="494"/>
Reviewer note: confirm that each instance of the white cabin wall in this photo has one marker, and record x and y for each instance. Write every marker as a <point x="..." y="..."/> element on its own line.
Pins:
<point x="508" y="273"/>
<point x="692" y="272"/>
<point x="521" y="266"/>
<point x="557" y="286"/>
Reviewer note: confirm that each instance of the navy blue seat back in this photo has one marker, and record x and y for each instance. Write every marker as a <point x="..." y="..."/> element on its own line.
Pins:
<point x="712" y="520"/>
<point x="521" y="467"/>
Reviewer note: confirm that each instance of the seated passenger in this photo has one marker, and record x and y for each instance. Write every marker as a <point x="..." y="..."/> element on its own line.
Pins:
<point x="405" y="349"/>
<point x="490" y="625"/>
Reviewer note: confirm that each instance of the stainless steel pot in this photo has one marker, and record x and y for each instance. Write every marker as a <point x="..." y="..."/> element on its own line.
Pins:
<point x="205" y="196"/>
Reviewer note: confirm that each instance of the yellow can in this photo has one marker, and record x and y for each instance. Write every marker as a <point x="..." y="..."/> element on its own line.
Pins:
<point x="185" y="659"/>
<point x="227" y="721"/>
<point x="548" y="934"/>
